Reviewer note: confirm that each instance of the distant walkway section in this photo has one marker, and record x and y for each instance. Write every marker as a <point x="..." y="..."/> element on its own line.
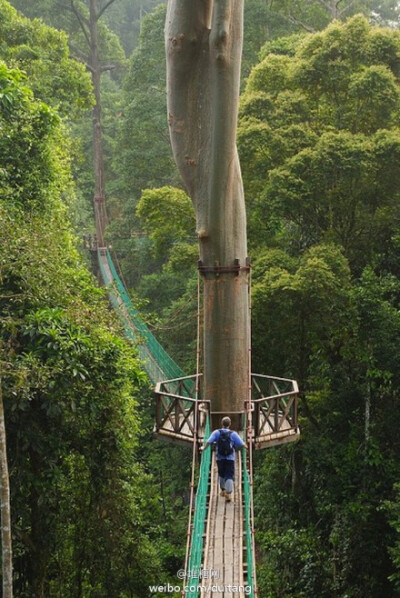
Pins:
<point x="156" y="361"/>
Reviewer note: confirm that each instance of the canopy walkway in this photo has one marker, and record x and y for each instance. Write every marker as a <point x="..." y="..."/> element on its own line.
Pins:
<point x="220" y="558"/>
<point x="156" y="361"/>
<point x="220" y="555"/>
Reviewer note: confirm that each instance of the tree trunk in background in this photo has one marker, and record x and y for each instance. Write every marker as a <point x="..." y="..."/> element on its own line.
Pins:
<point x="204" y="47"/>
<point x="6" y="539"/>
<point x="98" y="159"/>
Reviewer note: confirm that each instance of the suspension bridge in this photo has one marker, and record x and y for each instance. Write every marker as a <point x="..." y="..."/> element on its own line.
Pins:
<point x="220" y="551"/>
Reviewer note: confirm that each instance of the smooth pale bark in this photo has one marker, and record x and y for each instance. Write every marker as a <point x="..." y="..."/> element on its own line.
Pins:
<point x="204" y="47"/>
<point x="6" y="540"/>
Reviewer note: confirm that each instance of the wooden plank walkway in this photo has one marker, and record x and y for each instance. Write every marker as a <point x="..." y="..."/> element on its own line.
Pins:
<point x="223" y="551"/>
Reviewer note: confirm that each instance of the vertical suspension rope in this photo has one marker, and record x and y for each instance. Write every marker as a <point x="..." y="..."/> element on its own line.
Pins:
<point x="195" y="436"/>
<point x="255" y="590"/>
<point x="199" y="332"/>
<point x="249" y="412"/>
<point x="248" y="475"/>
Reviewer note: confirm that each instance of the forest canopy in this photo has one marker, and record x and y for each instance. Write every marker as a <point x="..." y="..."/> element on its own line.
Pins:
<point x="99" y="507"/>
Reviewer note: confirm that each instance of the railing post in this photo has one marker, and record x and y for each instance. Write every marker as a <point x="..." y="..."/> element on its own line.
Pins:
<point x="256" y="424"/>
<point x="176" y="418"/>
<point x="158" y="412"/>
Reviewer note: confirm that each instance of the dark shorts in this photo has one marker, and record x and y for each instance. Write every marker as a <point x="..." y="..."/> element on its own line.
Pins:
<point x="226" y="469"/>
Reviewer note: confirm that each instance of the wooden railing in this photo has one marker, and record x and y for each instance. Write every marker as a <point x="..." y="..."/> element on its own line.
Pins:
<point x="176" y="406"/>
<point x="181" y="412"/>
<point x="274" y="410"/>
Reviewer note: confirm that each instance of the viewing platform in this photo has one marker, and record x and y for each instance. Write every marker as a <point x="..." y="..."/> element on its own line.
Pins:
<point x="273" y="410"/>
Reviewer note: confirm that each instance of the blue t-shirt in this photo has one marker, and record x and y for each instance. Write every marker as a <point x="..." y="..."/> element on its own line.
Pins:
<point x="237" y="442"/>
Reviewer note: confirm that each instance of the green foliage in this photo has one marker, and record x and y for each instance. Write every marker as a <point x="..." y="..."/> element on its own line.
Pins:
<point x="46" y="84"/>
<point x="143" y="157"/>
<point x="318" y="140"/>
<point x="177" y="330"/>
<point x="56" y="78"/>
<point x="42" y="52"/>
<point x="62" y="16"/>
<point x="167" y="215"/>
<point x="303" y="304"/>
<point x="262" y="21"/>
<point x="313" y="15"/>
<point x="295" y="565"/>
<point x="80" y="384"/>
<point x="33" y="173"/>
<point x="316" y="126"/>
<point x="393" y="509"/>
<point x="125" y="19"/>
<point x="335" y="191"/>
<point x="144" y="142"/>
<point x="81" y="499"/>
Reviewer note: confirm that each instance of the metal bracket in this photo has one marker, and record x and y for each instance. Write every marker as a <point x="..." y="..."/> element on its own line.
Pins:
<point x="217" y="269"/>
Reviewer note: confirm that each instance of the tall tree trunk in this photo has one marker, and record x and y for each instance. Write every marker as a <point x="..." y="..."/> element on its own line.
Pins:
<point x="204" y="46"/>
<point x="98" y="158"/>
<point x="6" y="540"/>
<point x="91" y="32"/>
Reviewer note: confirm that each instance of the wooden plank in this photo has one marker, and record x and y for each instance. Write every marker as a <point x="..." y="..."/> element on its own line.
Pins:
<point x="224" y="545"/>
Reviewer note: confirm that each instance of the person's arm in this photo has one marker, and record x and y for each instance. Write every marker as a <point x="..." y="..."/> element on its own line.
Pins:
<point x="210" y="441"/>
<point x="203" y="448"/>
<point x="239" y="444"/>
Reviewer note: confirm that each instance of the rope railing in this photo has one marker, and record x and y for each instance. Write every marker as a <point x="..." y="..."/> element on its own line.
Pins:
<point x="248" y="526"/>
<point x="158" y="364"/>
<point x="199" y="522"/>
<point x="123" y="314"/>
<point x="168" y="365"/>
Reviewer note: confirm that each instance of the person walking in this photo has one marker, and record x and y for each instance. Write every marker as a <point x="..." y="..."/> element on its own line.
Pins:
<point x="227" y="441"/>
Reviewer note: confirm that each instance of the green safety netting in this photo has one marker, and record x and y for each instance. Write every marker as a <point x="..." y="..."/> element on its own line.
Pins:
<point x="199" y="522"/>
<point x="158" y="364"/>
<point x="248" y="523"/>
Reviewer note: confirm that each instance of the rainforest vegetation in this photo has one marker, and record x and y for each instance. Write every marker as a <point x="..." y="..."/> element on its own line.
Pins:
<point x="99" y="507"/>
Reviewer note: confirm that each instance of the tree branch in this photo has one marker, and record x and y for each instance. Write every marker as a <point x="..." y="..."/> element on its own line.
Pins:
<point x="82" y="21"/>
<point x="294" y="21"/>
<point x="102" y="10"/>
<point x="108" y="67"/>
<point x="346" y="8"/>
<point x="326" y="5"/>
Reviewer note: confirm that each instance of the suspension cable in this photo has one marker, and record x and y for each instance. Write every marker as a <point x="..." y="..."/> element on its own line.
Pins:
<point x="195" y="439"/>
<point x="249" y="439"/>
